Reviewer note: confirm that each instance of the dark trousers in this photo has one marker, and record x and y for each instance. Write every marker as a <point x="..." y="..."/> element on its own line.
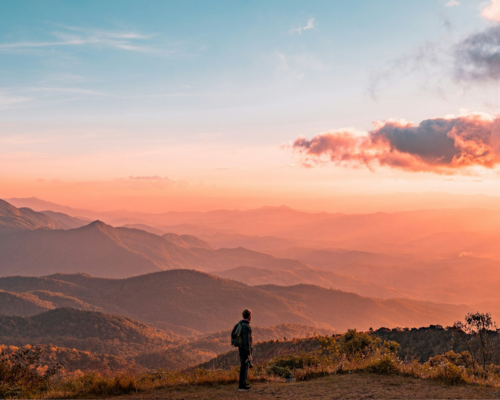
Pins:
<point x="243" y="367"/>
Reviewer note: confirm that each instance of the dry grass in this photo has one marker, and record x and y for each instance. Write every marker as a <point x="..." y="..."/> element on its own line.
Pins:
<point x="340" y="386"/>
<point x="343" y="361"/>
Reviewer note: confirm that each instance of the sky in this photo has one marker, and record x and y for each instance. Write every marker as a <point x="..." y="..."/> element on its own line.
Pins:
<point x="172" y="105"/>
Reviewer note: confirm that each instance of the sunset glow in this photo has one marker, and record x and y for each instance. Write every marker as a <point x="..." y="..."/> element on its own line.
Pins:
<point x="135" y="108"/>
<point x="297" y="198"/>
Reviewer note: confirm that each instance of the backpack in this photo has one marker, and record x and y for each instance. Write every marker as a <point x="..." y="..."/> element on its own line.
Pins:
<point x="236" y="339"/>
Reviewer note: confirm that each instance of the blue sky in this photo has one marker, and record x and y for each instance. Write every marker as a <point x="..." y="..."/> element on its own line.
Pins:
<point x="224" y="63"/>
<point x="93" y="78"/>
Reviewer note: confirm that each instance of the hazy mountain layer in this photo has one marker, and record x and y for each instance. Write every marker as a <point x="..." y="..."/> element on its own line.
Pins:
<point x="103" y="250"/>
<point x="205" y="303"/>
<point x="68" y="221"/>
<point x="12" y="218"/>
<point x="330" y="280"/>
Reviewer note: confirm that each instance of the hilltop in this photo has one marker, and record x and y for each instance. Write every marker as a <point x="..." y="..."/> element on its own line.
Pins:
<point x="210" y="346"/>
<point x="84" y="330"/>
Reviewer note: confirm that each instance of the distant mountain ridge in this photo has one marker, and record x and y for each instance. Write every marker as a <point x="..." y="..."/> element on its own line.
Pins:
<point x="435" y="232"/>
<point x="12" y="218"/>
<point x="102" y="250"/>
<point x="189" y="301"/>
<point x="66" y="220"/>
<point x="326" y="279"/>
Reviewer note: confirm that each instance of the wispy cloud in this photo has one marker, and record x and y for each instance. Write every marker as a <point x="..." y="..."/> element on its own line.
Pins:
<point x="27" y="95"/>
<point x="475" y="58"/>
<point x="310" y="25"/>
<point x="67" y="90"/>
<point x="428" y="59"/>
<point x="149" y="178"/>
<point x="74" y="36"/>
<point x="6" y="100"/>
<point x="452" y="3"/>
<point x="297" y="66"/>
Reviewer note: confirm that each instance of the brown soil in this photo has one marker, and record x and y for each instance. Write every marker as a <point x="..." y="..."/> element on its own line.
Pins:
<point x="348" y="386"/>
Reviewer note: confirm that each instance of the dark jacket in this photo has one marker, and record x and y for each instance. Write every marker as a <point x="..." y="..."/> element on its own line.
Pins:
<point x="246" y="335"/>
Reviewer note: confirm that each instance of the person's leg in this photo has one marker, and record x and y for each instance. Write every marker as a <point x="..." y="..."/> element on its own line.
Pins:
<point x="243" y="369"/>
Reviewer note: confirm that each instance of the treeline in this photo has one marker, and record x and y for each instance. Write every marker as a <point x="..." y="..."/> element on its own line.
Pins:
<point x="477" y="334"/>
<point x="87" y="331"/>
<point x="74" y="361"/>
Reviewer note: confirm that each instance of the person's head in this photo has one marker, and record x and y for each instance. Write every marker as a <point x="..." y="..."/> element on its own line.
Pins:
<point x="247" y="314"/>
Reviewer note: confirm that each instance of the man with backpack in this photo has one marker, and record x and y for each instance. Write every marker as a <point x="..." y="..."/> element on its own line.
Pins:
<point x="241" y="337"/>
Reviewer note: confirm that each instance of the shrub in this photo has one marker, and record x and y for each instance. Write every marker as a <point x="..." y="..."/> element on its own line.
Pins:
<point x="386" y="365"/>
<point x="21" y="373"/>
<point x="463" y="359"/>
<point x="450" y="374"/>
<point x="284" y="365"/>
<point x="390" y="347"/>
<point x="296" y="362"/>
<point x="358" y="345"/>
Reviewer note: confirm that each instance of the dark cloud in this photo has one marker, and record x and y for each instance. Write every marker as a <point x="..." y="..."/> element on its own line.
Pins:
<point x="477" y="57"/>
<point x="440" y="145"/>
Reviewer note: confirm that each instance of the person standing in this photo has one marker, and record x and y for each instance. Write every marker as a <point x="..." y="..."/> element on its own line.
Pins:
<point x="245" y="350"/>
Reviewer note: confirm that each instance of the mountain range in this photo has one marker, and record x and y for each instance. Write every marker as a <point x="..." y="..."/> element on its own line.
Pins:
<point x="189" y="302"/>
<point x="102" y="250"/>
<point x="439" y="267"/>
<point x="331" y="280"/>
<point x="442" y="232"/>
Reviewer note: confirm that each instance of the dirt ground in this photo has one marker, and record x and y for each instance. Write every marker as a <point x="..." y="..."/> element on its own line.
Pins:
<point x="349" y="386"/>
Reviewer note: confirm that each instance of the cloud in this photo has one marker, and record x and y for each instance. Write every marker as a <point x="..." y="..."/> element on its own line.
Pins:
<point x="74" y="36"/>
<point x="477" y="57"/>
<point x="8" y="100"/>
<point x="148" y="178"/>
<point x="310" y="25"/>
<point x="492" y="11"/>
<point x="69" y="90"/>
<point x="452" y="3"/>
<point x="426" y="60"/>
<point x="439" y="145"/>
